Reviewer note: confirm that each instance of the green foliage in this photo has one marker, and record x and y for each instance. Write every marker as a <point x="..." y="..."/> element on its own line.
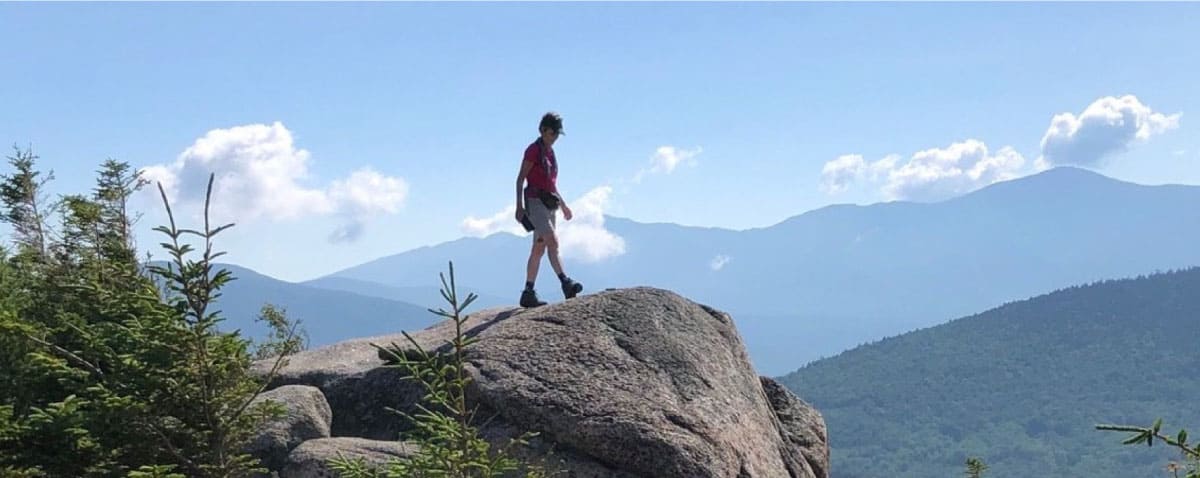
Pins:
<point x="212" y="418"/>
<point x="26" y="208"/>
<point x="285" y="337"/>
<point x="1190" y="455"/>
<point x="102" y="373"/>
<point x="975" y="467"/>
<point x="1022" y="384"/>
<point x="113" y="189"/>
<point x="449" y="445"/>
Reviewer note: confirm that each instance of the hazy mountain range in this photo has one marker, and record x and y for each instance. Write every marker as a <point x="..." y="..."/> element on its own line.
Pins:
<point x="824" y="281"/>
<point x="829" y="279"/>
<point x="327" y="315"/>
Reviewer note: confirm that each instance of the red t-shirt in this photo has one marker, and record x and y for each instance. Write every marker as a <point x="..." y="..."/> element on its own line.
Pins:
<point x="544" y="173"/>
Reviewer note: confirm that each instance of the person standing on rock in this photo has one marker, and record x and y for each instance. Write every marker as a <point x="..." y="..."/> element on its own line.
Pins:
<point x="537" y="202"/>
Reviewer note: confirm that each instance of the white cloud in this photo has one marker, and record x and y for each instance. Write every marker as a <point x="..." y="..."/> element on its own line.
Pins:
<point x="666" y="159"/>
<point x="837" y="175"/>
<point x="365" y="194"/>
<point x="260" y="174"/>
<point x="1179" y="152"/>
<point x="503" y="221"/>
<point x="1107" y="126"/>
<point x="932" y="174"/>
<point x="881" y="168"/>
<point x="960" y="168"/>
<point x="718" y="262"/>
<point x="583" y="238"/>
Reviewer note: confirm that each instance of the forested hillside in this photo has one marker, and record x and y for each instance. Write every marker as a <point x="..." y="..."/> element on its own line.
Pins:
<point x="1021" y="385"/>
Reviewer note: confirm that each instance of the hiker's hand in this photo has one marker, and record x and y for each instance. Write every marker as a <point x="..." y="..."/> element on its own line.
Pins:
<point x="566" y="212"/>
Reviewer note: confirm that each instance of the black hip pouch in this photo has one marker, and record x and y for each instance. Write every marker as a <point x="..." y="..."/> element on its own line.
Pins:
<point x="549" y="199"/>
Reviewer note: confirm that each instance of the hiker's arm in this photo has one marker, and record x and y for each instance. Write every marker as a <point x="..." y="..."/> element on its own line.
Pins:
<point x="525" y="165"/>
<point x="566" y="209"/>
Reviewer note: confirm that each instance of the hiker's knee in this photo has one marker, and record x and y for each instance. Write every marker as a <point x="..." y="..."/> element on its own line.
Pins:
<point x="539" y="247"/>
<point x="551" y="241"/>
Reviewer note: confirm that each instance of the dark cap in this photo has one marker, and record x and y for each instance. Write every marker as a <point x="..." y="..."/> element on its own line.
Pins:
<point x="551" y="120"/>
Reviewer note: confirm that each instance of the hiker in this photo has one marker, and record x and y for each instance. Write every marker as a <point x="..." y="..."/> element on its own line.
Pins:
<point x="537" y="203"/>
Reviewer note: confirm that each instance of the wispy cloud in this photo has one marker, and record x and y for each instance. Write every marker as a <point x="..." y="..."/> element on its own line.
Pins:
<point x="932" y="174"/>
<point x="260" y="175"/>
<point x="1107" y="126"/>
<point x="717" y="263"/>
<point x="666" y="159"/>
<point x="838" y="175"/>
<point x="503" y="221"/>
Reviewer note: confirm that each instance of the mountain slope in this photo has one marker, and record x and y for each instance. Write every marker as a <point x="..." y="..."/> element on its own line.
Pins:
<point x="429" y="297"/>
<point x="327" y="315"/>
<point x="1021" y="385"/>
<point x="1007" y="241"/>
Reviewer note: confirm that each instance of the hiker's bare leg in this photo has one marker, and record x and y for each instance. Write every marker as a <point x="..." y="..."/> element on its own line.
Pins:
<point x="552" y="246"/>
<point x="535" y="259"/>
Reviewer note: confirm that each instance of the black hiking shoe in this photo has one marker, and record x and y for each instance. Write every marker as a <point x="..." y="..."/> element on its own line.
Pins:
<point x="529" y="298"/>
<point x="571" y="288"/>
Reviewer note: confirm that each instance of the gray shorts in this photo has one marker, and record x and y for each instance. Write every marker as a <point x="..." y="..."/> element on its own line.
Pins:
<point x="543" y="219"/>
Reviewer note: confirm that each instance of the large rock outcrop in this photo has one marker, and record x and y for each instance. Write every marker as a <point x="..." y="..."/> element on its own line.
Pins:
<point x="311" y="459"/>
<point x="632" y="383"/>
<point x="356" y="386"/>
<point x="803" y="427"/>
<point x="306" y="417"/>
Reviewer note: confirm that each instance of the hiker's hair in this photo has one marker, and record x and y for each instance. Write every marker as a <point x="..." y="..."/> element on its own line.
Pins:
<point x="550" y="120"/>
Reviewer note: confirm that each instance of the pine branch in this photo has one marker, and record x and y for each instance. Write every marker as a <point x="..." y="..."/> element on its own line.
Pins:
<point x="1148" y="435"/>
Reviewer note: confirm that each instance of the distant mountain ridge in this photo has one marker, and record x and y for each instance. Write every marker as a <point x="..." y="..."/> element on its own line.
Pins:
<point x="1021" y="385"/>
<point x="835" y="277"/>
<point x="328" y="316"/>
<point x="429" y="297"/>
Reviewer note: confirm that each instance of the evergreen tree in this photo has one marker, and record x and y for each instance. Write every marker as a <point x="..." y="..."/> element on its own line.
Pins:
<point x="25" y="206"/>
<point x="975" y="467"/>
<point x="103" y="373"/>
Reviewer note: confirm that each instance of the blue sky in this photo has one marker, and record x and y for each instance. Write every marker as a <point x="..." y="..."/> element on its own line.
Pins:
<point x="347" y="132"/>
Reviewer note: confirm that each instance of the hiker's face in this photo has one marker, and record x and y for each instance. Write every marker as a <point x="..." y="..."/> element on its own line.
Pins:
<point x="549" y="136"/>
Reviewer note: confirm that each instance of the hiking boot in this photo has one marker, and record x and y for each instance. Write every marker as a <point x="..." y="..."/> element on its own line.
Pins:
<point x="529" y="298"/>
<point x="570" y="288"/>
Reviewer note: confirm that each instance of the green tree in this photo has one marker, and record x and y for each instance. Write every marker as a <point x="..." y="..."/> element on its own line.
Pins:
<point x="114" y="186"/>
<point x="209" y="417"/>
<point x="285" y="337"/>
<point x="975" y="467"/>
<point x="102" y="371"/>
<point x="25" y="206"/>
